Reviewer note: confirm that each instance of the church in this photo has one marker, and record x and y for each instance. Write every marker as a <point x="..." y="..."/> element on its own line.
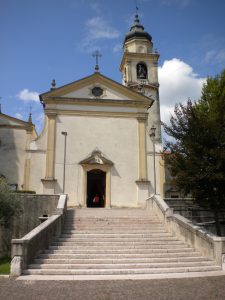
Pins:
<point x="101" y="141"/>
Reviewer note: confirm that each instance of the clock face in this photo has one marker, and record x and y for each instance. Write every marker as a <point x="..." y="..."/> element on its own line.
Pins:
<point x="97" y="91"/>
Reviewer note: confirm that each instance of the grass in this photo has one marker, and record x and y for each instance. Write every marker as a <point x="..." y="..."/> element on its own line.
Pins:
<point x="5" y="265"/>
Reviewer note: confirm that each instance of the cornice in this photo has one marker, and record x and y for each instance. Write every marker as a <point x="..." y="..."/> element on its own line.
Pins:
<point x="99" y="102"/>
<point x="145" y="56"/>
<point x="103" y="114"/>
<point x="24" y="127"/>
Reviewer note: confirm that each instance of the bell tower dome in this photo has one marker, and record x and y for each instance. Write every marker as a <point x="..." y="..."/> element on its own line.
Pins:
<point x="139" y="67"/>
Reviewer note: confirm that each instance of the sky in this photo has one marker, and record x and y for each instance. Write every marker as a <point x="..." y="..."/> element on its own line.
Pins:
<point x="55" y="39"/>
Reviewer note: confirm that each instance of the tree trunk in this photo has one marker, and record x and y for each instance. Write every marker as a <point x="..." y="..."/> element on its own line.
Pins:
<point x="217" y="223"/>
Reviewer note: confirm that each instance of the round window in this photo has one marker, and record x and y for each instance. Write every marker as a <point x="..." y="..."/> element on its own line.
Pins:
<point x="97" y="91"/>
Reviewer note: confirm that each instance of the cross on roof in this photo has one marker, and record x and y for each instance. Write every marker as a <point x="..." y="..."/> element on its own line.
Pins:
<point x="97" y="55"/>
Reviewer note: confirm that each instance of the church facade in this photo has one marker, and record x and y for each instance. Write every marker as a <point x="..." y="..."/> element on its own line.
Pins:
<point x="99" y="136"/>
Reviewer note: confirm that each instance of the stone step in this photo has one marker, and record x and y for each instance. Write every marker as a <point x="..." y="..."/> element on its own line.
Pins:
<point x="114" y="247"/>
<point x="112" y="221"/>
<point x="113" y="232"/>
<point x="60" y="254"/>
<point x="98" y="251"/>
<point x="120" y="271"/>
<point x="87" y="261"/>
<point x="121" y="266"/>
<point x="108" y="223"/>
<point x="110" y="212"/>
<point x="114" y="236"/>
<point x="115" y="239"/>
<point x="138" y="219"/>
<point x="111" y="228"/>
<point x="120" y="243"/>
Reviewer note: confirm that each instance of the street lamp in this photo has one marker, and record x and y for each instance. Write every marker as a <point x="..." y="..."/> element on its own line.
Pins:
<point x="152" y="136"/>
<point x="64" y="162"/>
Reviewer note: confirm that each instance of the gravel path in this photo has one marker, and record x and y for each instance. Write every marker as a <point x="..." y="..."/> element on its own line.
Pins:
<point x="206" y="288"/>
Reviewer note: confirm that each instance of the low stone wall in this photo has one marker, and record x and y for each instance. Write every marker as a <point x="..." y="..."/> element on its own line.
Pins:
<point x="200" y="216"/>
<point x="32" y="207"/>
<point x="25" y="249"/>
<point x="209" y="245"/>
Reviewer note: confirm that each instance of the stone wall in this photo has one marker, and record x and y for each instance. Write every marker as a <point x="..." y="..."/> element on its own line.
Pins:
<point x="196" y="214"/>
<point x="32" y="207"/>
<point x="209" y="245"/>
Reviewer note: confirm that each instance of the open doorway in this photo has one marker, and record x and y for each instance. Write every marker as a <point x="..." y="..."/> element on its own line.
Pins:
<point x="96" y="182"/>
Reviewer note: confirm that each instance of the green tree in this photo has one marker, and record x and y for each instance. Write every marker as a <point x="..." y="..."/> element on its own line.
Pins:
<point x="9" y="207"/>
<point x="197" y="159"/>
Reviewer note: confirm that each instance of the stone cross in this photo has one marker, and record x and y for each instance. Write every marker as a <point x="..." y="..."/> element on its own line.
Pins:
<point x="97" y="55"/>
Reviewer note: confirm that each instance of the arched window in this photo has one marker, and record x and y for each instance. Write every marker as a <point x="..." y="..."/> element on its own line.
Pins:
<point x="142" y="72"/>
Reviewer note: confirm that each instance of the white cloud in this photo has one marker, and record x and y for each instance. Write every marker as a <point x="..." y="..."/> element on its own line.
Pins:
<point x="97" y="29"/>
<point x="215" y="56"/>
<point x="18" y="116"/>
<point x="178" y="82"/>
<point x="27" y="95"/>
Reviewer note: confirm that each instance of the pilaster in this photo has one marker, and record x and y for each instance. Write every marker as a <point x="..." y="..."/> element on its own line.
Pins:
<point x="142" y="147"/>
<point x="50" y="153"/>
<point x="26" y="175"/>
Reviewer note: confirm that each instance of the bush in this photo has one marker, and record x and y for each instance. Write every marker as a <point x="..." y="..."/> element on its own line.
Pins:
<point x="25" y="192"/>
<point x="9" y="207"/>
<point x="4" y="265"/>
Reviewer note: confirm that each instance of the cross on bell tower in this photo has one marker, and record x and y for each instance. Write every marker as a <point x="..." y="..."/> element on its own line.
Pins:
<point x="97" y="55"/>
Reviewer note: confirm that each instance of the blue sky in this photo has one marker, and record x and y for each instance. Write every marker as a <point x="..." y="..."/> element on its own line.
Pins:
<point x="46" y="39"/>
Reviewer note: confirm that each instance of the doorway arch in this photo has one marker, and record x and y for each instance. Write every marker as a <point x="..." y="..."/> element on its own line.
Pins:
<point x="96" y="184"/>
<point x="99" y="164"/>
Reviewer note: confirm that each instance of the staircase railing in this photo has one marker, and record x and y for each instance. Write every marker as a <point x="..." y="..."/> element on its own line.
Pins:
<point x="209" y="245"/>
<point x="25" y="249"/>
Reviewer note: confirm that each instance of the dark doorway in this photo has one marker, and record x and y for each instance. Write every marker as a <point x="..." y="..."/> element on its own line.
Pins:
<point x="96" y="188"/>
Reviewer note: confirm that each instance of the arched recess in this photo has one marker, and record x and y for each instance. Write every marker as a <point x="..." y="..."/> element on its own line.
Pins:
<point x="96" y="162"/>
<point x="142" y="71"/>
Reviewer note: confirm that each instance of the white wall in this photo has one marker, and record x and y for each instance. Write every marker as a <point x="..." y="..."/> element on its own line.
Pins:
<point x="116" y="138"/>
<point x="12" y="154"/>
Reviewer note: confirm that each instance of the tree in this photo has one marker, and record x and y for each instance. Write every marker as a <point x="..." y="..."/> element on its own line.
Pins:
<point x="197" y="159"/>
<point x="9" y="207"/>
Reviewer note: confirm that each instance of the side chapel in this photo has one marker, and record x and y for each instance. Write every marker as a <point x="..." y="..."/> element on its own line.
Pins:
<point x="97" y="135"/>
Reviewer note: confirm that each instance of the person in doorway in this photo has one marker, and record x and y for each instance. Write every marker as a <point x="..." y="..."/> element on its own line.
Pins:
<point x="96" y="200"/>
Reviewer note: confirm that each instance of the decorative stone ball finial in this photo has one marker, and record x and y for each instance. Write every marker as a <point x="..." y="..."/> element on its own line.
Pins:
<point x="53" y="84"/>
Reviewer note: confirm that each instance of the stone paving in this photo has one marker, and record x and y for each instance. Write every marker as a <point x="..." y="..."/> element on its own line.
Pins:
<point x="205" y="288"/>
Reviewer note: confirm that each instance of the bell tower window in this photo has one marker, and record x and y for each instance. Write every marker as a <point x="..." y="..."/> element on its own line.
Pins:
<point x="142" y="72"/>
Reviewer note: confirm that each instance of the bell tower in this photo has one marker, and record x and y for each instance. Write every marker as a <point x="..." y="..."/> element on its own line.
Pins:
<point x="139" y="67"/>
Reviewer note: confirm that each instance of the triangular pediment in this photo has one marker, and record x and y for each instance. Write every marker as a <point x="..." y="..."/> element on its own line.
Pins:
<point x="107" y="89"/>
<point x="96" y="158"/>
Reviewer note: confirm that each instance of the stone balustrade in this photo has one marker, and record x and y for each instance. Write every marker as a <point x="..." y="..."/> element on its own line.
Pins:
<point x="209" y="245"/>
<point x="26" y="248"/>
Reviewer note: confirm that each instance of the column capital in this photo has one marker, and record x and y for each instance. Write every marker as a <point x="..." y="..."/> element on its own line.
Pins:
<point x="51" y="114"/>
<point x="142" y="117"/>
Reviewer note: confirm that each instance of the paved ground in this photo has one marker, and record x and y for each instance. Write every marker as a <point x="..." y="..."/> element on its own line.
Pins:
<point x="206" y="288"/>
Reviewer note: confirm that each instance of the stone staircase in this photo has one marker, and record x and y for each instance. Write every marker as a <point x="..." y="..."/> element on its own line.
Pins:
<point x="98" y="241"/>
